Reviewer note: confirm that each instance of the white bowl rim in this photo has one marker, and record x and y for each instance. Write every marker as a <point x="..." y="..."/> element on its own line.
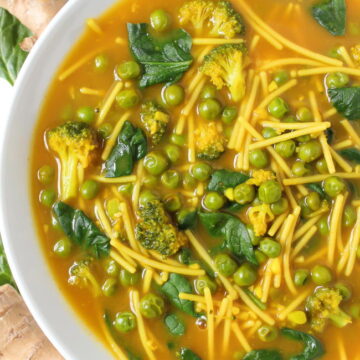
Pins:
<point x="49" y="308"/>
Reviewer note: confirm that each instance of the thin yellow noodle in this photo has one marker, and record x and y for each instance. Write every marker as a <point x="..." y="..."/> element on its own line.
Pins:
<point x="193" y="98"/>
<point x="93" y="92"/>
<point x="325" y="70"/>
<point x="288" y="62"/>
<point x="292" y="135"/>
<point x="195" y="82"/>
<point x="200" y="189"/>
<point x="339" y="237"/>
<point x="237" y="127"/>
<point x="281" y="90"/>
<point x="343" y="144"/>
<point x="246" y="162"/>
<point x="227" y="328"/>
<point x="121" y="261"/>
<point x="350" y="130"/>
<point x="277" y="223"/>
<point x="119" y="180"/>
<point x="341" y="347"/>
<point x="210" y="323"/>
<point x="240" y="336"/>
<point x="330" y="113"/>
<point x="222" y="311"/>
<point x="304" y="241"/>
<point x="341" y="161"/>
<point x="137" y="187"/>
<point x="293" y="305"/>
<point x="264" y="83"/>
<point x="180" y="125"/>
<point x="156" y="264"/>
<point x="318" y="178"/>
<point x="346" y="56"/>
<point x="291" y="126"/>
<point x="128" y="227"/>
<point x="101" y="215"/>
<point x="134" y="295"/>
<point x="114" y="135"/>
<point x="355" y="203"/>
<point x="291" y="197"/>
<point x="206" y="257"/>
<point x="289" y="9"/>
<point x="267" y="282"/>
<point x="354" y="244"/>
<point x="147" y="280"/>
<point x="344" y="257"/>
<point x="160" y="258"/>
<point x="108" y="101"/>
<point x="254" y="43"/>
<point x="191" y="139"/>
<point x="216" y="41"/>
<point x="94" y="26"/>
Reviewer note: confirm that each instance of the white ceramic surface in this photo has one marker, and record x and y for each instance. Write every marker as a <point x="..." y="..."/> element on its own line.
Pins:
<point x="27" y="262"/>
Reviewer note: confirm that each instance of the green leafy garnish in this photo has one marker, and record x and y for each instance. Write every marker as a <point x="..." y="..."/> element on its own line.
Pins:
<point x="175" y="325"/>
<point x="81" y="230"/>
<point x="164" y="59"/>
<point x="232" y="231"/>
<point x="5" y="273"/>
<point x="224" y="179"/>
<point x="173" y="287"/>
<point x="131" y="146"/>
<point x="263" y="354"/>
<point x="12" y="57"/>
<point x="351" y="154"/>
<point x="331" y="15"/>
<point x="187" y="354"/>
<point x="346" y="101"/>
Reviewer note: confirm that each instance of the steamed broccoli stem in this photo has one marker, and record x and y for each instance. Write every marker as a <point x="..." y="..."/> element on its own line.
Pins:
<point x="340" y="319"/>
<point x="82" y="275"/>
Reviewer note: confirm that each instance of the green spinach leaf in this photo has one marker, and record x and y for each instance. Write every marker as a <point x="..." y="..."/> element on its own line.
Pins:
<point x="187" y="354"/>
<point x="81" y="230"/>
<point x="331" y="15"/>
<point x="317" y="188"/>
<point x="263" y="354"/>
<point x="224" y="179"/>
<point x="346" y="101"/>
<point x="5" y="273"/>
<point x="351" y="154"/>
<point x="313" y="349"/>
<point x="173" y="287"/>
<point x="175" y="325"/>
<point x="232" y="231"/>
<point x="131" y="146"/>
<point x="164" y="59"/>
<point x="12" y="57"/>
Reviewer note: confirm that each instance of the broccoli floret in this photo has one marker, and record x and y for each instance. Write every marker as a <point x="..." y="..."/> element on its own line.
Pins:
<point x="196" y="12"/>
<point x="81" y="275"/>
<point x="156" y="232"/>
<point x="209" y="142"/>
<point x="76" y="144"/>
<point x="323" y="306"/>
<point x="226" y="21"/>
<point x="224" y="66"/>
<point x="155" y="120"/>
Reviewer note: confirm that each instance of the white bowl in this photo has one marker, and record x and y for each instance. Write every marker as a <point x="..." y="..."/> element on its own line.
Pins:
<point x="31" y="272"/>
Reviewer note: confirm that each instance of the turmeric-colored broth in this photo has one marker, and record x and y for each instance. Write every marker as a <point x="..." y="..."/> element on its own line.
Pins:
<point x="291" y="19"/>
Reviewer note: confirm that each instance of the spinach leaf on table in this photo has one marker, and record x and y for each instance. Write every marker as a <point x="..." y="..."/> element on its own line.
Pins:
<point x="331" y="15"/>
<point x="263" y="354"/>
<point x="346" y="101"/>
<point x="81" y="230"/>
<point x="12" y="57"/>
<point x="5" y="272"/>
<point x="232" y="231"/>
<point x="131" y="146"/>
<point x="224" y="179"/>
<point x="164" y="59"/>
<point x="175" y="325"/>
<point x="351" y="154"/>
<point x="187" y="354"/>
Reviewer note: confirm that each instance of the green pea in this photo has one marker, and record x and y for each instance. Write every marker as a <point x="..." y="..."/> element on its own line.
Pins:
<point x="303" y="139"/>
<point x="349" y="218"/>
<point x="186" y="218"/>
<point x="174" y="95"/>
<point x="260" y="257"/>
<point x="280" y="206"/>
<point x="337" y="80"/>
<point x="278" y="108"/>
<point x="55" y="223"/>
<point x="146" y="196"/>
<point x="229" y="114"/>
<point x="225" y="264"/>
<point x="155" y="163"/>
<point x="268" y="133"/>
<point x="354" y="311"/>
<point x="321" y="166"/>
<point x="258" y="158"/>
<point x="267" y="333"/>
<point x="213" y="201"/>
<point x="270" y="192"/>
<point x="270" y="247"/>
<point x="63" y="247"/>
<point x="105" y="130"/>
<point x="172" y="152"/>
<point x="160" y="20"/>
<point x="128" y="279"/>
<point x="304" y="114"/>
<point x="255" y="240"/>
<point x="201" y="171"/>
<point x="178" y="140"/>
<point x="305" y="210"/>
<point x="101" y="63"/>
<point x="344" y="290"/>
<point x="46" y="174"/>
<point x="171" y="179"/>
<point x="109" y="287"/>
<point x="112" y="268"/>
<point x="127" y="99"/>
<point x="113" y="207"/>
<point x="86" y="114"/>
<point x="300" y="168"/>
<point x="150" y="181"/>
<point x="301" y="276"/>
<point x="281" y="77"/>
<point x="124" y="322"/>
<point x="289" y="119"/>
<point x="245" y="275"/>
<point x="172" y="203"/>
<point x="125" y="189"/>
<point x="313" y="201"/>
<point x="321" y="275"/>
<point x="209" y="92"/>
<point x="334" y="53"/>
<point x="189" y="182"/>
<point x="244" y="193"/>
<point x="47" y="197"/>
<point x="323" y="226"/>
<point x="285" y="149"/>
<point x="333" y="186"/>
<point x="203" y="282"/>
<point x="209" y="109"/>
<point x="89" y="189"/>
<point x="310" y="151"/>
<point x="129" y="70"/>
<point x="152" y="306"/>
<point x="185" y="256"/>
